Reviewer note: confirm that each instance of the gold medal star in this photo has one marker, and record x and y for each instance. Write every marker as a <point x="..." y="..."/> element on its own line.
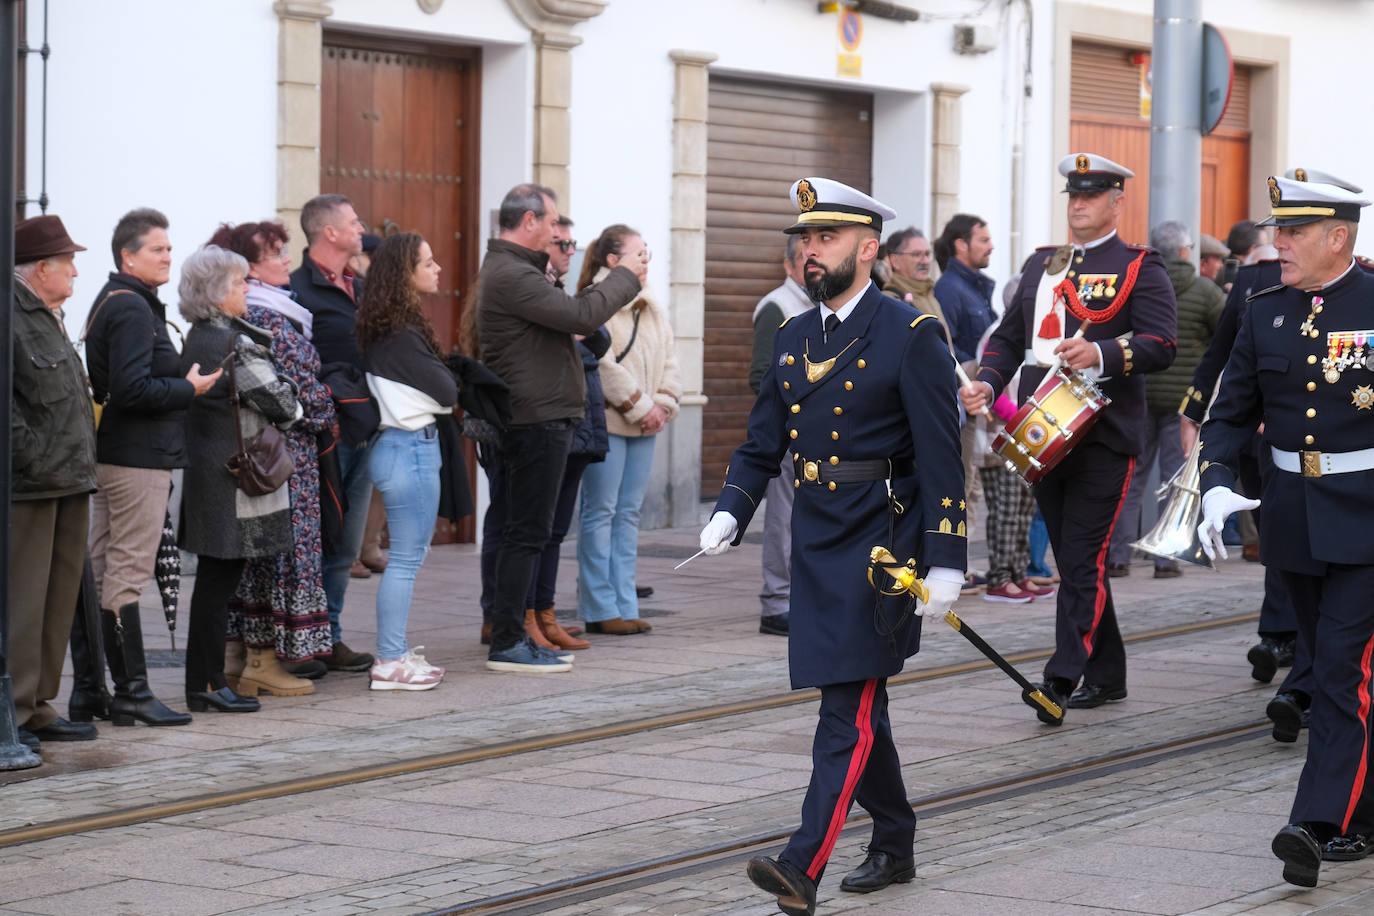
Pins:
<point x="946" y="502"/>
<point x="1362" y="397"/>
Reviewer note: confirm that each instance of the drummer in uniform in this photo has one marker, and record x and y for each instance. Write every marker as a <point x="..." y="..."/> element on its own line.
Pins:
<point x="1302" y="366"/>
<point x="861" y="394"/>
<point x="1126" y="294"/>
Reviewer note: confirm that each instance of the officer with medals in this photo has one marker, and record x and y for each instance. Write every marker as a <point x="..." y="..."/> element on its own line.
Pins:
<point x="1279" y="646"/>
<point x="861" y="394"/>
<point x="1301" y="365"/>
<point x="1124" y="291"/>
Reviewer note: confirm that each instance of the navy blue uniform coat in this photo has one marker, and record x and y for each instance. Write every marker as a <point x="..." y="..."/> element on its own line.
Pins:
<point x="890" y="394"/>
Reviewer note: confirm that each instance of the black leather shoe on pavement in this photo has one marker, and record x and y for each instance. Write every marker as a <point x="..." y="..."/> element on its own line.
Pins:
<point x="62" y="730"/>
<point x="796" y="892"/>
<point x="221" y="700"/>
<point x="1091" y="696"/>
<point x="1349" y="847"/>
<point x="1301" y="854"/>
<point x="644" y="591"/>
<point x="1264" y="659"/>
<point x="774" y="624"/>
<point x="1289" y="714"/>
<point x="878" y="871"/>
<point x="28" y="739"/>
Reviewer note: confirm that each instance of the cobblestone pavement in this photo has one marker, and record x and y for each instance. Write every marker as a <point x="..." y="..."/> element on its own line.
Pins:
<point x="1187" y="833"/>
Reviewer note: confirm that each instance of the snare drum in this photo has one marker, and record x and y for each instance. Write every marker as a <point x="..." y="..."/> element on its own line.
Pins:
<point x="1052" y="421"/>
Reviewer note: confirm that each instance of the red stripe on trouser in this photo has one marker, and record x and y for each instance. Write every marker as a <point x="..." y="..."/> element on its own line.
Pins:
<point x="1100" y="601"/>
<point x="1363" y="715"/>
<point x="857" y="761"/>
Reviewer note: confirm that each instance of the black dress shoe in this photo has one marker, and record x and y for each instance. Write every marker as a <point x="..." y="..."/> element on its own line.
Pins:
<point x="1288" y="648"/>
<point x="312" y="669"/>
<point x="1289" y="714"/>
<point x="28" y="739"/>
<point x="1301" y="854"/>
<point x="61" y="730"/>
<point x="774" y="624"/>
<point x="796" y="892"/>
<point x="1091" y="696"/>
<point x="877" y="872"/>
<point x="1264" y="659"/>
<point x="222" y="700"/>
<point x="644" y="591"/>
<point x="1348" y="847"/>
<point x="1118" y="570"/>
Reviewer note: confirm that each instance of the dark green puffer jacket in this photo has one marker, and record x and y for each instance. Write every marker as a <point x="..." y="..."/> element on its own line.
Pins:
<point x="1199" y="305"/>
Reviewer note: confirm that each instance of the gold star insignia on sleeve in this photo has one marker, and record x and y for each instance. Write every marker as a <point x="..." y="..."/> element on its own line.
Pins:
<point x="961" y="505"/>
<point x="946" y="502"/>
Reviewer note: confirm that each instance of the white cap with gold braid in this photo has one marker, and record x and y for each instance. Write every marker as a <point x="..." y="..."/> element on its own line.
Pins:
<point x="1296" y="203"/>
<point x="823" y="202"/>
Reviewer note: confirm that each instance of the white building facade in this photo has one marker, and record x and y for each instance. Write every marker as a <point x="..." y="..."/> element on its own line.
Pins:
<point x="687" y="121"/>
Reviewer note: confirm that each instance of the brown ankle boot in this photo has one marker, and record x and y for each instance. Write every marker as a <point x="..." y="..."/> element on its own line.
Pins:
<point x="263" y="673"/>
<point x="556" y="634"/>
<point x="533" y="632"/>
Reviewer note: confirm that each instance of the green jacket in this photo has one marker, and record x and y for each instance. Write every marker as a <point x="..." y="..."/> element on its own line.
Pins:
<point x="52" y="427"/>
<point x="1199" y="305"/>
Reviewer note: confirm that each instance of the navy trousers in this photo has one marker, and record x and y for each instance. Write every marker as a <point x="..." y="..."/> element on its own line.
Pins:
<point x="1081" y="502"/>
<point x="1336" y="619"/>
<point x="852" y="759"/>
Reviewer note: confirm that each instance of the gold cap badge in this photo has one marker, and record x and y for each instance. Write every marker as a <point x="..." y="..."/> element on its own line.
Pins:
<point x="1275" y="196"/>
<point x="1300" y="174"/>
<point x="1081" y="163"/>
<point x="806" y="198"/>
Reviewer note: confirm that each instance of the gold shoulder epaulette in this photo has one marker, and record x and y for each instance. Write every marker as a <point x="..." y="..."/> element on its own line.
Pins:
<point x="920" y="318"/>
<point x="785" y="320"/>
<point x="1264" y="292"/>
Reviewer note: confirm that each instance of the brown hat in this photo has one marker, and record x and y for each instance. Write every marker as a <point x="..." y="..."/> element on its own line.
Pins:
<point x="42" y="237"/>
<point x="1213" y="248"/>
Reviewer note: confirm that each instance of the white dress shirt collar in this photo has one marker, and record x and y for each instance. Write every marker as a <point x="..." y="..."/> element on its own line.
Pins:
<point x="845" y="310"/>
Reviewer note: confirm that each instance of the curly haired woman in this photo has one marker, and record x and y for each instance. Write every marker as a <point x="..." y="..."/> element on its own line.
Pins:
<point x="407" y="376"/>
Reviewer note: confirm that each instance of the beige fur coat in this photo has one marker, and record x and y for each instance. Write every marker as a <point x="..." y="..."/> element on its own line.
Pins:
<point x="649" y="372"/>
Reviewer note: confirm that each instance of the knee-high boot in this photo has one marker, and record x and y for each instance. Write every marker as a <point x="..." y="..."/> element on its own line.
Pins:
<point x="129" y="670"/>
<point x="90" y="698"/>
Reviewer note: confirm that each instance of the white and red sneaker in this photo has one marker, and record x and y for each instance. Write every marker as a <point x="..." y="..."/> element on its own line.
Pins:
<point x="404" y="673"/>
<point x="1007" y="593"/>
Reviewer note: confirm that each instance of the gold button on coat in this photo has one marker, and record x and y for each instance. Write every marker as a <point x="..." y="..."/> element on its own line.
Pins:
<point x="791" y="360"/>
<point x="787" y="386"/>
<point x="834" y="459"/>
<point x="834" y="434"/>
<point x="1308" y="439"/>
<point x="796" y="408"/>
<point x="1311" y="413"/>
<point x="838" y="411"/>
<point x="792" y="433"/>
<point x="848" y="386"/>
<point x="861" y="364"/>
<point x="1311" y="386"/>
<point x="1312" y="360"/>
<point x="832" y="484"/>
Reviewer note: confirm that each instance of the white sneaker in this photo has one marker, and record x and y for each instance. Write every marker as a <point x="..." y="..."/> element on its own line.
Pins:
<point x="415" y="656"/>
<point x="404" y="674"/>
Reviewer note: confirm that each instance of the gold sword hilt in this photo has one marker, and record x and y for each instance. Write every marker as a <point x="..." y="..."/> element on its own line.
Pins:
<point x="902" y="574"/>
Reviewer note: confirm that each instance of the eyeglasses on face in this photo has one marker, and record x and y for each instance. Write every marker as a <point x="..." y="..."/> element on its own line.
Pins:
<point x="567" y="246"/>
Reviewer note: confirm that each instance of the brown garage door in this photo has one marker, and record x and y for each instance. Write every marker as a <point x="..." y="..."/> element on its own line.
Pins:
<point x="761" y="137"/>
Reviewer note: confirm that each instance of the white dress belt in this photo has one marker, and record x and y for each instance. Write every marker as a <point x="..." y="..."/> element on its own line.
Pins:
<point x="1318" y="464"/>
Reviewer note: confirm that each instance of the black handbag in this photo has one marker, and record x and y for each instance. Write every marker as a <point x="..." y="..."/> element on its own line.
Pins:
<point x="261" y="465"/>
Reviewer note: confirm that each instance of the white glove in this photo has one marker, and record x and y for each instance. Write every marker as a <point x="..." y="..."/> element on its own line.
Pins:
<point x="718" y="533"/>
<point x="944" y="585"/>
<point x="1217" y="505"/>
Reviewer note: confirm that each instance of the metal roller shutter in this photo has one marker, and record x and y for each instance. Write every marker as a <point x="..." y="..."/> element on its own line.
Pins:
<point x="761" y="137"/>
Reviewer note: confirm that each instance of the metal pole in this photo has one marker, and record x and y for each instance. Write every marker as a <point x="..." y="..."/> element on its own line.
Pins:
<point x="1176" y="116"/>
<point x="13" y="755"/>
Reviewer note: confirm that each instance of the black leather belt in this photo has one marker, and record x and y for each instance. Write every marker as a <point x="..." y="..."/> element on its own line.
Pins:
<point x="830" y="470"/>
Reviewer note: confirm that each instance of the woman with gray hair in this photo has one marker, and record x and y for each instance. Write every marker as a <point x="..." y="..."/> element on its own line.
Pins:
<point x="220" y="523"/>
<point x="138" y="377"/>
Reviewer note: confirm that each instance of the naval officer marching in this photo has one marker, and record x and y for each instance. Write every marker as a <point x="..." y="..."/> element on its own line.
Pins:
<point x="862" y="393"/>
<point x="1303" y="365"/>
<point x="1125" y="291"/>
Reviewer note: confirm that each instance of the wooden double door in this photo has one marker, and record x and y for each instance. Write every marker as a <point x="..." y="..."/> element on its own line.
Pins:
<point x="399" y="136"/>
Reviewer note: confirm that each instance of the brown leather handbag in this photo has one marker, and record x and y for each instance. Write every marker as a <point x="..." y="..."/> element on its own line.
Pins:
<point x="261" y="465"/>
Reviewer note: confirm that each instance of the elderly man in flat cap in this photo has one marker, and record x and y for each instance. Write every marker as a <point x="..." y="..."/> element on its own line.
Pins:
<point x="861" y="394"/>
<point x="52" y="443"/>
<point x="1123" y="293"/>
<point x="1302" y="363"/>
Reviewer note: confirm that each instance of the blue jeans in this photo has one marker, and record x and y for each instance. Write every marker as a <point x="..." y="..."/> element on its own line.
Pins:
<point x="1039" y="543"/>
<point x="612" y="492"/>
<point x="357" y="487"/>
<point x="404" y="466"/>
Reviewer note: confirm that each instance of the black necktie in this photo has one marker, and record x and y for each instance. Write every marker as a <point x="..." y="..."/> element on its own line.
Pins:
<point x="832" y="321"/>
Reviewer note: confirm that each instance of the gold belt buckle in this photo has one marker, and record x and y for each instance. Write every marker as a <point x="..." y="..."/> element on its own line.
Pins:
<point x="1311" y="464"/>
<point x="811" y="471"/>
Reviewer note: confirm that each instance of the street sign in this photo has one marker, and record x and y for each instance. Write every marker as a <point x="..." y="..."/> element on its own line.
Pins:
<point x="1217" y="74"/>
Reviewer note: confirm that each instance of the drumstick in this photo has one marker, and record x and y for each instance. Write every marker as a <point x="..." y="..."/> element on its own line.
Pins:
<point x="964" y="382"/>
